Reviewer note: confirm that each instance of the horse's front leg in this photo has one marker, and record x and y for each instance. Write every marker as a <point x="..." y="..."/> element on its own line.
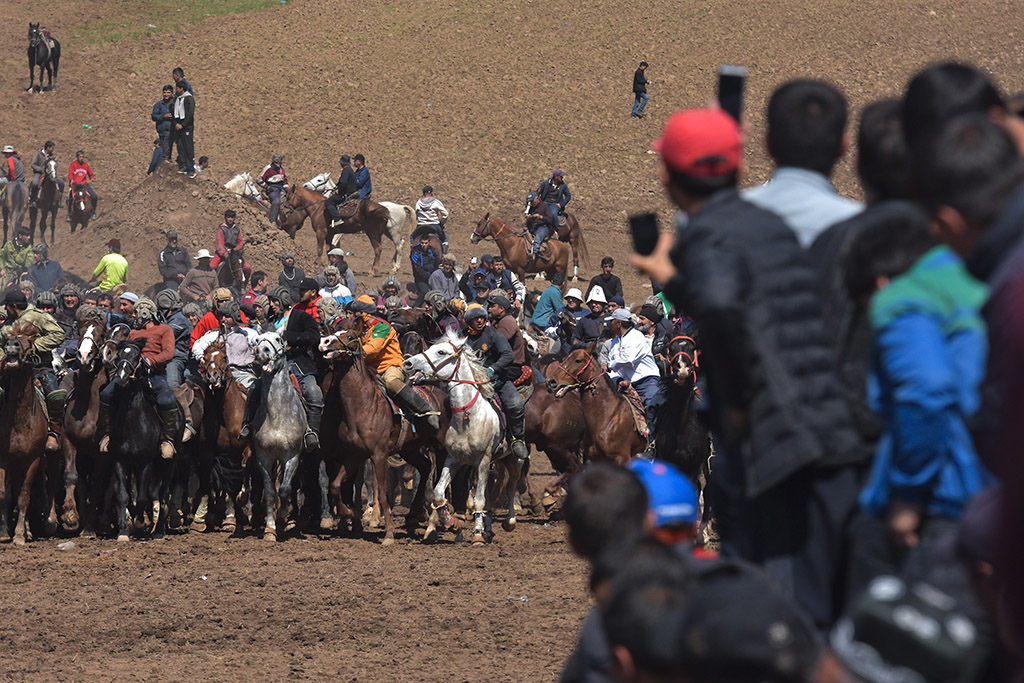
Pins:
<point x="480" y="499"/>
<point x="121" y="480"/>
<point x="438" y="505"/>
<point x="284" y="495"/>
<point x="514" y="470"/>
<point x="269" y="498"/>
<point x="69" y="518"/>
<point x="380" y="472"/>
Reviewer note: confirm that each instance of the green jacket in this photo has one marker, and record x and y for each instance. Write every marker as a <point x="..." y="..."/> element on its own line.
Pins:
<point x="13" y="257"/>
<point x="51" y="335"/>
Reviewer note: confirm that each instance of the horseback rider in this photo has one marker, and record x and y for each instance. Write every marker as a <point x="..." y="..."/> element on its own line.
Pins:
<point x="431" y="214"/>
<point x="442" y="320"/>
<point x="588" y="327"/>
<point x="229" y="241"/>
<point x="425" y="260"/>
<point x="50" y="337"/>
<point x="333" y="287"/>
<point x="44" y="272"/>
<point x="168" y="304"/>
<point x="274" y="182"/>
<point x="364" y="186"/>
<point x="555" y="191"/>
<point x="631" y="363"/>
<point x="38" y="164"/>
<point x="280" y="307"/>
<point x="238" y="343"/>
<point x="67" y="312"/>
<point x="498" y="357"/>
<point x="80" y="173"/>
<point x="14" y="169"/>
<point x="156" y="354"/>
<point x="541" y="221"/>
<point x="344" y="192"/>
<point x="210" y="321"/>
<point x="301" y="336"/>
<point x="390" y="288"/>
<point x="382" y="353"/>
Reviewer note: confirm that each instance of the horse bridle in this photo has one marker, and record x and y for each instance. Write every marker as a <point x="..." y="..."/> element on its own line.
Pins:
<point x="580" y="383"/>
<point x="352" y="348"/>
<point x="487" y="222"/>
<point x="456" y="358"/>
<point x="692" y="359"/>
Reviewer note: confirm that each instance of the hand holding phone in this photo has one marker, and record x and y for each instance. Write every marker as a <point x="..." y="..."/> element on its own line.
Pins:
<point x="644" y="228"/>
<point x="731" y="82"/>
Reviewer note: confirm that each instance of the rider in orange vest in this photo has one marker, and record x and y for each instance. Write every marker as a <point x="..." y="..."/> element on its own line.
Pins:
<point x="382" y="352"/>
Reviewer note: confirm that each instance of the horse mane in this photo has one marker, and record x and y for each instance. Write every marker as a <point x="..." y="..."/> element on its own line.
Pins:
<point x="475" y="365"/>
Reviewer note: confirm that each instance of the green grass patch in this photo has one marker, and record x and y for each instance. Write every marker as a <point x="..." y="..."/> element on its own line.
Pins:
<point x="137" y="18"/>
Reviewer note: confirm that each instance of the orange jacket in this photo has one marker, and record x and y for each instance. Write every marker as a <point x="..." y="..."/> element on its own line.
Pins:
<point x="380" y="344"/>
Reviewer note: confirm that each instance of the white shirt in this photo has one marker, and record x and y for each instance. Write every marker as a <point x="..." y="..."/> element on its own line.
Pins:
<point x="236" y="355"/>
<point x="630" y="357"/>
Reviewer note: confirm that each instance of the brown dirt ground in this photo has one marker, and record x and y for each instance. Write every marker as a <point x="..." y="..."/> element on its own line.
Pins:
<point x="480" y="99"/>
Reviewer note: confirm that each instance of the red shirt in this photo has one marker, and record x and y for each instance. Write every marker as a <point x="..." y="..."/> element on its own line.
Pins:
<point x="208" y="322"/>
<point x="80" y="173"/>
<point x="309" y="308"/>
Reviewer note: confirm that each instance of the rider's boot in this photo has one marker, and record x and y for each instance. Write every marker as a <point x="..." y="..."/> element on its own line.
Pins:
<point x="190" y="430"/>
<point x="169" y="432"/>
<point x="411" y="400"/>
<point x="55" y="402"/>
<point x="311" y="440"/>
<point x="251" y="403"/>
<point x="33" y="196"/>
<point x="103" y="428"/>
<point x="517" y="427"/>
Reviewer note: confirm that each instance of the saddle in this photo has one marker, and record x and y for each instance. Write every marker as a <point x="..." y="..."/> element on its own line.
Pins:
<point x="346" y="211"/>
<point x="545" y="251"/>
<point x="636" y="407"/>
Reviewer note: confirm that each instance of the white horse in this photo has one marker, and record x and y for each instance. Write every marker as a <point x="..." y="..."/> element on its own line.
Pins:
<point x="277" y="430"/>
<point x="474" y="437"/>
<point x="243" y="186"/>
<point x="401" y="215"/>
<point x="320" y="183"/>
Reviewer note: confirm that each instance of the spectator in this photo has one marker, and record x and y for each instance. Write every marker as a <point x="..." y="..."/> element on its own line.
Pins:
<point x="806" y="123"/>
<point x="640" y="84"/>
<point x="112" y="269"/>
<point x="163" y="117"/>
<point x="178" y="75"/>
<point x="609" y="283"/>
<point x="259" y="282"/>
<point x="588" y="328"/>
<point x="291" y="275"/>
<point x="503" y="278"/>
<point x="156" y="158"/>
<point x="574" y="303"/>
<point x="443" y="279"/>
<point x="481" y="292"/>
<point x="549" y="304"/>
<point x="43" y="272"/>
<point x="673" y="513"/>
<point x="173" y="262"/>
<point x="364" y="186"/>
<point x="783" y="432"/>
<point x="184" y="128"/>
<point x="16" y="255"/>
<point x="202" y="163"/>
<point x="200" y="280"/>
<point x="425" y="260"/>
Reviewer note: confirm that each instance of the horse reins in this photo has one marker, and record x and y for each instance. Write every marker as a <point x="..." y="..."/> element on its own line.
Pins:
<point x="487" y="222"/>
<point x="580" y="383"/>
<point x="456" y="358"/>
<point x="692" y="359"/>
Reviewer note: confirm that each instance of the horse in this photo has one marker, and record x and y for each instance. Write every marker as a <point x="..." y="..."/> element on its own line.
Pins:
<point x="606" y="412"/>
<point x="277" y="431"/>
<point x="81" y="207"/>
<point x="231" y="273"/>
<point x="400" y="215"/>
<point x="514" y="250"/>
<point x="43" y="55"/>
<point x="243" y="186"/>
<point x="14" y="200"/>
<point x="80" y="438"/>
<point x="223" y="456"/>
<point x="23" y="428"/>
<point x="475" y="435"/>
<point x="141" y="476"/>
<point x="48" y="203"/>
<point x="557" y="427"/>
<point x="369" y="217"/>
<point x="368" y="428"/>
<point x="321" y="183"/>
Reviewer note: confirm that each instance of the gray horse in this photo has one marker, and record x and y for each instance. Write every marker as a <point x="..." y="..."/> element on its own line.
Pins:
<point x="277" y="430"/>
<point x="14" y="199"/>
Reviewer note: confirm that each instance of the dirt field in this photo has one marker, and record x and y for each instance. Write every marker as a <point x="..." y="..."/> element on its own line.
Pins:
<point x="480" y="99"/>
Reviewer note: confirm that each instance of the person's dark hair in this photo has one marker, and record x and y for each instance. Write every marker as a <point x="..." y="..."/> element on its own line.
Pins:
<point x="806" y="120"/>
<point x="203" y="160"/>
<point x="100" y="298"/>
<point x="81" y="151"/>
<point x="230" y="213"/>
<point x="178" y="70"/>
<point x="360" y="158"/>
<point x="941" y="92"/>
<point x="607" y="261"/>
<point x="558" y="279"/>
<point x="603" y="503"/>
<point x="897" y="236"/>
<point x="644" y="64"/>
<point x="180" y="84"/>
<point x="257" y="276"/>
<point x="116" y="248"/>
<point x="971" y="165"/>
<point x="168" y="87"/>
<point x="647" y="605"/>
<point x="883" y="163"/>
<point x="498" y="258"/>
<point x="342" y="266"/>
<point x="48" y="144"/>
<point x="700" y="187"/>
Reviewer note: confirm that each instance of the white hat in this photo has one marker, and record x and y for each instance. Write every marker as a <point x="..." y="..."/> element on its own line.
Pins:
<point x="203" y="253"/>
<point x="597" y="294"/>
<point x="337" y="252"/>
<point x="8" y="149"/>
<point x="574" y="293"/>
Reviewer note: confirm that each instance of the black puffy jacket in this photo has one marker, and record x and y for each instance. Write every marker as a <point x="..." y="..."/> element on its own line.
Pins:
<point x="775" y="399"/>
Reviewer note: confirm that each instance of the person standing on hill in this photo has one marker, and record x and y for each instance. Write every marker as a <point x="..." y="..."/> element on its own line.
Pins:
<point x="363" y="184"/>
<point x="163" y="117"/>
<point x="640" y="84"/>
<point x="184" y="128"/>
<point x="290" y="275"/>
<point x="179" y="77"/>
<point x="609" y="283"/>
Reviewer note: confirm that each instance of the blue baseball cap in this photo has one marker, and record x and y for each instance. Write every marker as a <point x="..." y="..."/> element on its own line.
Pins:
<point x="487" y="258"/>
<point x="530" y="197"/>
<point x="672" y="497"/>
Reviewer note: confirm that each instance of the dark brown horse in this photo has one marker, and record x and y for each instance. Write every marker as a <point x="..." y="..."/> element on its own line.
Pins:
<point x="557" y="427"/>
<point x="358" y="423"/>
<point x="513" y="249"/>
<point x="607" y="415"/>
<point x="22" y="428"/>
<point x="570" y="232"/>
<point x="81" y="208"/>
<point x="370" y="218"/>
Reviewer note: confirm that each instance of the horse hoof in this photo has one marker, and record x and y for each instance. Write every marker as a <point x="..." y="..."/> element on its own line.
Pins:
<point x="122" y="538"/>
<point x="430" y="536"/>
<point x="387" y="541"/>
<point x="478" y="540"/>
<point x="198" y="526"/>
<point x="270" y="535"/>
<point x="229" y="525"/>
<point x="289" y="525"/>
<point x="328" y="524"/>
<point x="509" y="525"/>
<point x="19" y="540"/>
<point x="69" y="520"/>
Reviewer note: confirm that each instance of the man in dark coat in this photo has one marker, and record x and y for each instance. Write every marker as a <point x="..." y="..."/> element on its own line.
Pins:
<point x="640" y="83"/>
<point x="787" y="482"/>
<point x="343" y="191"/>
<point x="173" y="262"/>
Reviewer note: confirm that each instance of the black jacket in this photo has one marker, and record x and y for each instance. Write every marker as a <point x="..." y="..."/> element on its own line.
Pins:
<point x="495" y="352"/>
<point x="611" y="286"/>
<point x="302" y="335"/>
<point x="173" y="261"/>
<point x="346" y="182"/>
<point x="639" y="81"/>
<point x="776" y="403"/>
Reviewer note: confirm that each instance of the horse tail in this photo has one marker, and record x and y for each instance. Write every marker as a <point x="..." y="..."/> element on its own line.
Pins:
<point x="396" y="234"/>
<point x="410" y="217"/>
<point x="581" y="245"/>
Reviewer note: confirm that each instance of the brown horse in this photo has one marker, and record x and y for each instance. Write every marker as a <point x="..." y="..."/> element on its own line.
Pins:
<point x="22" y="428"/>
<point x="223" y="456"/>
<point x="369" y="217"/>
<point x="557" y="426"/>
<point x="81" y="208"/>
<point x="514" y="251"/>
<point x="570" y="232"/>
<point x="367" y="427"/>
<point x="607" y="415"/>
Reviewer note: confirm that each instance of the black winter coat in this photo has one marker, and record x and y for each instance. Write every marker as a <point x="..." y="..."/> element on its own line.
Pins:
<point x="302" y="335"/>
<point x="776" y="403"/>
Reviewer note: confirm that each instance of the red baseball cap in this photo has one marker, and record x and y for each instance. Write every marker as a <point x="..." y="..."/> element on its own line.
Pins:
<point x="700" y="142"/>
<point x="114" y="243"/>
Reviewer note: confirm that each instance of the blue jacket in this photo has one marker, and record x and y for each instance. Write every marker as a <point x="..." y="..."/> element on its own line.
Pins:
<point x="929" y="356"/>
<point x="163" y="126"/>
<point x="363" y="184"/>
<point x="554" y="195"/>
<point x="549" y="303"/>
<point x="45" y="275"/>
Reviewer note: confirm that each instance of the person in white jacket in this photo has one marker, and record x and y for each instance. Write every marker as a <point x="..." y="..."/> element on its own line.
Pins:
<point x="430" y="213"/>
<point x="238" y="342"/>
